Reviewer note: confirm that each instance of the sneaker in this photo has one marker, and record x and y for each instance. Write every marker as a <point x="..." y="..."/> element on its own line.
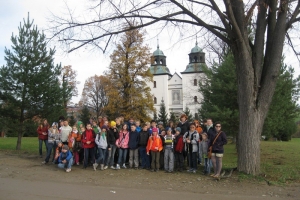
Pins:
<point x="194" y="171"/>
<point x="118" y="166"/>
<point x="105" y="167"/>
<point x="44" y="162"/>
<point x="95" y="165"/>
<point x="112" y="167"/>
<point x="77" y="163"/>
<point x="68" y="170"/>
<point x="124" y="166"/>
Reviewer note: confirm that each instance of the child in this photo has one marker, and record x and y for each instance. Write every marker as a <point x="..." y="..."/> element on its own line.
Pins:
<point x="112" y="136"/>
<point x="169" y="155"/>
<point x="65" y="159"/>
<point x="203" y="147"/>
<point x="191" y="139"/>
<point x="155" y="146"/>
<point x="53" y="136"/>
<point x="74" y="143"/>
<point x="133" y="144"/>
<point x="144" y="136"/>
<point x="178" y="146"/>
<point x="137" y="125"/>
<point x="101" y="141"/>
<point x="57" y="152"/>
<point x="88" y="142"/>
<point x="122" y="144"/>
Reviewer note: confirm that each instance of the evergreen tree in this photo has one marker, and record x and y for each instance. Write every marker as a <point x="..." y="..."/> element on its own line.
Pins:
<point x="155" y="117"/>
<point x="29" y="84"/>
<point x="72" y="121"/>
<point x="173" y="117"/>
<point x="85" y="115"/>
<point x="163" y="115"/>
<point x="188" y="114"/>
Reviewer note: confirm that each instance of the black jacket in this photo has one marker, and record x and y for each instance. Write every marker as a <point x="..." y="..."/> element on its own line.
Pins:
<point x="112" y="136"/>
<point x="217" y="147"/>
<point x="211" y="132"/>
<point x="144" y="136"/>
<point x="185" y="127"/>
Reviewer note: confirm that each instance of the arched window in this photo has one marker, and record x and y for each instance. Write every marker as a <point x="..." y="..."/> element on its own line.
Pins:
<point x="155" y="100"/>
<point x="161" y="62"/>
<point x="201" y="59"/>
<point x="196" y="59"/>
<point x="195" y="82"/>
<point x="154" y="84"/>
<point x="195" y="99"/>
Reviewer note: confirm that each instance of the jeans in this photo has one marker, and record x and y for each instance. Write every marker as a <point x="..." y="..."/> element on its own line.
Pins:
<point x="155" y="159"/>
<point x="193" y="160"/>
<point x="169" y="159"/>
<point x="54" y="150"/>
<point x="102" y="153"/>
<point x="67" y="165"/>
<point x="179" y="160"/>
<point x="144" y="157"/>
<point x="111" y="155"/>
<point x="134" y="157"/>
<point x="122" y="156"/>
<point x="88" y="152"/>
<point x="41" y="146"/>
<point x="49" y="150"/>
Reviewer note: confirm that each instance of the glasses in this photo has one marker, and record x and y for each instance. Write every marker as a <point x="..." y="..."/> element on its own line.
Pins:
<point x="218" y="126"/>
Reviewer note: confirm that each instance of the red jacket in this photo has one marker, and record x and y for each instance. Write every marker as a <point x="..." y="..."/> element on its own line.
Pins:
<point x="40" y="132"/>
<point x="88" y="135"/>
<point x="179" y="144"/>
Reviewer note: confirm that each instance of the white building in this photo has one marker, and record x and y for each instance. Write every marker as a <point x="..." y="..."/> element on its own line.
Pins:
<point x="178" y="92"/>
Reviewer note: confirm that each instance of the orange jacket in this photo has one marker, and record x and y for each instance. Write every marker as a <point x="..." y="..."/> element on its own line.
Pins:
<point x="76" y="136"/>
<point x="154" y="144"/>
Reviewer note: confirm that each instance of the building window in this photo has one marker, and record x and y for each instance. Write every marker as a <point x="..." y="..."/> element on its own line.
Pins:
<point x="155" y="100"/>
<point x="195" y="99"/>
<point x="195" y="82"/>
<point x="154" y="84"/>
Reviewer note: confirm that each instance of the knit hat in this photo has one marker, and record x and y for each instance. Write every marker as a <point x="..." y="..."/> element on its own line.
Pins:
<point x="54" y="124"/>
<point x="154" y="130"/>
<point x="169" y="129"/>
<point x="65" y="147"/>
<point x="113" y="123"/>
<point x="178" y="129"/>
<point x="104" y="127"/>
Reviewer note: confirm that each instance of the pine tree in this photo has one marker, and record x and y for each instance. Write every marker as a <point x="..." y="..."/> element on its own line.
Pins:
<point x="72" y="121"/>
<point x="128" y="73"/>
<point x="188" y="114"/>
<point x="85" y="114"/>
<point x="155" y="117"/>
<point x="29" y="84"/>
<point x="173" y="117"/>
<point x="163" y="115"/>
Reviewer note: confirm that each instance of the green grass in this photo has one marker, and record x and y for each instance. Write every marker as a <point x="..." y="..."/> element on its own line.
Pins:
<point x="279" y="160"/>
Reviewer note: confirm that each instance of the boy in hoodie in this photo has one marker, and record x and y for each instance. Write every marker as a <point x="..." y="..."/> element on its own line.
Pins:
<point x="144" y="136"/>
<point x="101" y="141"/>
<point x="88" y="142"/>
<point x="112" y="136"/>
<point x="203" y="148"/>
<point x="178" y="146"/>
<point x="65" y="159"/>
<point x="133" y="144"/>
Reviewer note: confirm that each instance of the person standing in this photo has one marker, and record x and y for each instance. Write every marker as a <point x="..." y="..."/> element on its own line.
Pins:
<point x="53" y="136"/>
<point x="101" y="141"/>
<point x="178" y="144"/>
<point x="191" y="138"/>
<point x="144" y="136"/>
<point x="122" y="144"/>
<point x="65" y="130"/>
<point x="203" y="148"/>
<point x="218" y="150"/>
<point x="155" y="146"/>
<point x="183" y="124"/>
<point x="88" y="142"/>
<point x="112" y="136"/>
<point x="133" y="144"/>
<point x="209" y="129"/>
<point x="43" y="136"/>
<point x="169" y="153"/>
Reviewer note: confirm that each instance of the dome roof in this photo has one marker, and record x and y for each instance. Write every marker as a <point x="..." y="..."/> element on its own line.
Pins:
<point x="158" y="52"/>
<point x="196" y="49"/>
<point x="159" y="69"/>
<point x="193" y="68"/>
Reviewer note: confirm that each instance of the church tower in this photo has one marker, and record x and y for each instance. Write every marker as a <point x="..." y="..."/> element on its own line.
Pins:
<point x="161" y="75"/>
<point x="190" y="80"/>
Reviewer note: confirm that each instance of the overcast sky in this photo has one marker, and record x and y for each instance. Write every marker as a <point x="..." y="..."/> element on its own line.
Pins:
<point x="85" y="63"/>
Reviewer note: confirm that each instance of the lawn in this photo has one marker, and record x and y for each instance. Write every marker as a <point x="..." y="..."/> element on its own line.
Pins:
<point x="279" y="160"/>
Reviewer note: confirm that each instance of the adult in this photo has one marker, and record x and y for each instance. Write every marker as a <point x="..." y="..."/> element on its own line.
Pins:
<point x="209" y="129"/>
<point x="183" y="124"/>
<point x="65" y="130"/>
<point x="217" y="144"/>
<point x="42" y="131"/>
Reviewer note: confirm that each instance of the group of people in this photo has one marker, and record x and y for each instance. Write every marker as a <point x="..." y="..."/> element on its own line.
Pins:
<point x="151" y="146"/>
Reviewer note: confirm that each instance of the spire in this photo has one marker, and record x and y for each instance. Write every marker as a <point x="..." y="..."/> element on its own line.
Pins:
<point x="157" y="43"/>
<point x="196" y="40"/>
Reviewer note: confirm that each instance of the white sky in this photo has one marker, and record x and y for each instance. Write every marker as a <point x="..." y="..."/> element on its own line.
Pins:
<point x="84" y="62"/>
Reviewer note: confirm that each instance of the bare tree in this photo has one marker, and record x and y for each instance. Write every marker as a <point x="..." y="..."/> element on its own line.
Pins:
<point x="257" y="56"/>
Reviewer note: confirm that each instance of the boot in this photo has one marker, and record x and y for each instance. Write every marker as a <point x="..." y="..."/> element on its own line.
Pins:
<point x="95" y="165"/>
<point x="102" y="166"/>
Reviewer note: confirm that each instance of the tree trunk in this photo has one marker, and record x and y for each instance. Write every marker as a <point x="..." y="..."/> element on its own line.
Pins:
<point x="20" y="134"/>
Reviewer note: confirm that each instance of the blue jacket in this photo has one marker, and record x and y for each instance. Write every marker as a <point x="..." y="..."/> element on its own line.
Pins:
<point x="134" y="138"/>
<point x="68" y="155"/>
<point x="217" y="147"/>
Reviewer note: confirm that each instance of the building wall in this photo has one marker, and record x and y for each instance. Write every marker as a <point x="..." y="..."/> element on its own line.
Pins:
<point x="175" y="94"/>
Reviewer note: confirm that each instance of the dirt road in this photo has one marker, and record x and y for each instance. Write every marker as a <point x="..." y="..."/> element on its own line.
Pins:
<point x="23" y="177"/>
